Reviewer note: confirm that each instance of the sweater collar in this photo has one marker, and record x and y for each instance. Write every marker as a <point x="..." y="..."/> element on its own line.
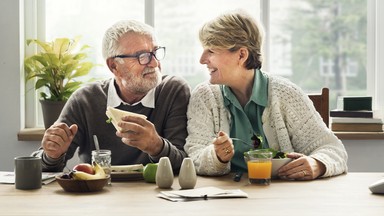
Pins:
<point x="114" y="99"/>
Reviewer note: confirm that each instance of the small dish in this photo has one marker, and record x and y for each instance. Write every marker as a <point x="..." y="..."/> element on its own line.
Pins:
<point x="71" y="185"/>
<point x="127" y="172"/>
<point x="122" y="176"/>
<point x="277" y="163"/>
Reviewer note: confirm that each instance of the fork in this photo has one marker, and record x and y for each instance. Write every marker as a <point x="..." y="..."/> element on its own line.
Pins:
<point x="242" y="141"/>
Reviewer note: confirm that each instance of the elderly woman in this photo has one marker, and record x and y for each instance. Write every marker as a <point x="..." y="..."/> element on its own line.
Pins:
<point x="243" y="102"/>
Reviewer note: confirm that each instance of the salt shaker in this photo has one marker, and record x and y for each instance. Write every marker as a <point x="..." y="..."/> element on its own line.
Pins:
<point x="187" y="174"/>
<point x="164" y="173"/>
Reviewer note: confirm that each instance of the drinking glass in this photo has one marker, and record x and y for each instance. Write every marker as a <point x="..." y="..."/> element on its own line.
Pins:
<point x="259" y="163"/>
<point x="103" y="158"/>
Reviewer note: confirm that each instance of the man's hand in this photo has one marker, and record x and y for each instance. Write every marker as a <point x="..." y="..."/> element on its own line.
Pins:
<point x="57" y="139"/>
<point x="140" y="133"/>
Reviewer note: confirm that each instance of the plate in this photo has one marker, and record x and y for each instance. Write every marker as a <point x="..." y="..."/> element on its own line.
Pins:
<point x="127" y="172"/>
<point x="121" y="176"/>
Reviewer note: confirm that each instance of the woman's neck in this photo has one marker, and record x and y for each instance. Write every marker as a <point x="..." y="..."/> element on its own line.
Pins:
<point x="242" y="86"/>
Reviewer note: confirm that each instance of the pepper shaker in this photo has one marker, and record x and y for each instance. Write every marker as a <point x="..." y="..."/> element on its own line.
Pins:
<point x="164" y="173"/>
<point x="187" y="174"/>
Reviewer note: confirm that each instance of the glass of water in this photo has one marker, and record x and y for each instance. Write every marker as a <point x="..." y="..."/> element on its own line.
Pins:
<point x="103" y="158"/>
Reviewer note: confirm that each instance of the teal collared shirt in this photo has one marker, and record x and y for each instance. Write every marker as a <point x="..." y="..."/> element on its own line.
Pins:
<point x="246" y="122"/>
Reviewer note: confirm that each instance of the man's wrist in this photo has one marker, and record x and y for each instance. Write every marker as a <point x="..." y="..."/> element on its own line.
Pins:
<point x="52" y="161"/>
<point x="159" y="147"/>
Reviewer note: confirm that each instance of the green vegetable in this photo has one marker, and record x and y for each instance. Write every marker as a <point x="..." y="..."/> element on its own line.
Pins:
<point x="257" y="141"/>
<point x="275" y="154"/>
<point x="280" y="155"/>
<point x="109" y="120"/>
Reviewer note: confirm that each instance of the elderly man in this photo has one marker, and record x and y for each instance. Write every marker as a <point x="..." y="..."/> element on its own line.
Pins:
<point x="133" y="56"/>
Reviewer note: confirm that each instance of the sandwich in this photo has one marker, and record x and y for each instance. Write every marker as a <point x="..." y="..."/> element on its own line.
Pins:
<point x="115" y="116"/>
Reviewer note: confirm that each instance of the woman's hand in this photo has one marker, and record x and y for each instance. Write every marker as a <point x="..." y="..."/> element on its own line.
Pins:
<point x="223" y="147"/>
<point x="301" y="168"/>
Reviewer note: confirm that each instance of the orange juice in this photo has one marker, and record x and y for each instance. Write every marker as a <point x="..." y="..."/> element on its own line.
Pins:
<point x="259" y="171"/>
<point x="259" y="163"/>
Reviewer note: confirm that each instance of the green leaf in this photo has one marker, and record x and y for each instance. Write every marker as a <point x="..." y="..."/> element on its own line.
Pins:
<point x="56" y="66"/>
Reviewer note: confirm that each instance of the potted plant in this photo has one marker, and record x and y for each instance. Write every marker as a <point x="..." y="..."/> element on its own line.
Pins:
<point x="56" y="68"/>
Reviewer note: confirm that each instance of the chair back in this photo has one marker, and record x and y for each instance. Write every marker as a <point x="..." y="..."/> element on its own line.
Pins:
<point x="321" y="103"/>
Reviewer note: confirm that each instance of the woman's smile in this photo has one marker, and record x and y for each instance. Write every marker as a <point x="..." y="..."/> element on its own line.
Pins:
<point x="212" y="70"/>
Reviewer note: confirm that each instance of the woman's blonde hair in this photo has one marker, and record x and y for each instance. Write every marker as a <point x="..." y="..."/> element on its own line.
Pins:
<point x="233" y="30"/>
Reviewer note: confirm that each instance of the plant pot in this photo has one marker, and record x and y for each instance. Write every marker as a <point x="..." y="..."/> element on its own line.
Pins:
<point x="51" y="111"/>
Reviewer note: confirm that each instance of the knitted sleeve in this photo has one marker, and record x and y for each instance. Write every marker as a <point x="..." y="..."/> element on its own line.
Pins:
<point x="291" y="123"/>
<point x="206" y="117"/>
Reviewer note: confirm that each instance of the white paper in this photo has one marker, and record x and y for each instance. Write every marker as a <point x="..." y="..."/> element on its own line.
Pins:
<point x="201" y="193"/>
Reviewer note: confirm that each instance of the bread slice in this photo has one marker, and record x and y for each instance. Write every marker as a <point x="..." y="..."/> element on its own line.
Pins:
<point x="115" y="116"/>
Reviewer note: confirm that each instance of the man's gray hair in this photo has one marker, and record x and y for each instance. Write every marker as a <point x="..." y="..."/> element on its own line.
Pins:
<point x="113" y="34"/>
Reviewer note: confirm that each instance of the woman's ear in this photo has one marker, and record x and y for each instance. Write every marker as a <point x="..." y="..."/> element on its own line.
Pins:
<point x="243" y="55"/>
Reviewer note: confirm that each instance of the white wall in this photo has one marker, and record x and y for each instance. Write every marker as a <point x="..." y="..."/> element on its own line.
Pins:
<point x="363" y="155"/>
<point x="10" y="111"/>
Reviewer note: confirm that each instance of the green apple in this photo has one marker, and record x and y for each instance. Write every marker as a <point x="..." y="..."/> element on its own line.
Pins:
<point x="149" y="172"/>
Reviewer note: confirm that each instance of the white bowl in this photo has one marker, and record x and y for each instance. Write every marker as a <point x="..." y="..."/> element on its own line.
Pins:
<point x="277" y="164"/>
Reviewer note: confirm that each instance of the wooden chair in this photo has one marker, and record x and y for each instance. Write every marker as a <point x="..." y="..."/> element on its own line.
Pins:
<point x="321" y="103"/>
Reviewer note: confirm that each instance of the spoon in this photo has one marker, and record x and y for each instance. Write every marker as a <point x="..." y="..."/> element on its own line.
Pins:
<point x="96" y="141"/>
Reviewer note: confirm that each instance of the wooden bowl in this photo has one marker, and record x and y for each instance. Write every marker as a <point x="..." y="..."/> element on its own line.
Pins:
<point x="71" y="185"/>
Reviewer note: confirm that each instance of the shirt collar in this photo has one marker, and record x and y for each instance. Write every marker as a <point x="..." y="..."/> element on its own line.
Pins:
<point x="259" y="92"/>
<point x="114" y="99"/>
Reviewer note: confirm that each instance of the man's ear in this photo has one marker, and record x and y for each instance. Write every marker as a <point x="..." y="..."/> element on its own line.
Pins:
<point x="111" y="64"/>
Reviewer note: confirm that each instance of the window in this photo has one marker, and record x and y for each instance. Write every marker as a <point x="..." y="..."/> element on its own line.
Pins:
<point x="302" y="42"/>
<point x="70" y="18"/>
<point x="319" y="43"/>
<point x="178" y="24"/>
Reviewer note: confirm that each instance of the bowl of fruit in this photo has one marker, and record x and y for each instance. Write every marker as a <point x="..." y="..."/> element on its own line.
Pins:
<point x="83" y="178"/>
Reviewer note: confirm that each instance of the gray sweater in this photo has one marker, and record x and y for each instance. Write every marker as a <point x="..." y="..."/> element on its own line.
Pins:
<point x="87" y="106"/>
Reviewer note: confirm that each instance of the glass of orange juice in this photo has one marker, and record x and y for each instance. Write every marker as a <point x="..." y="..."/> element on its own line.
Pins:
<point x="259" y="163"/>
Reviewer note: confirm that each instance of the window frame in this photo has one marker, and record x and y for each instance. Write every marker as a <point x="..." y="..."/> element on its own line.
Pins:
<point x="34" y="20"/>
<point x="375" y="49"/>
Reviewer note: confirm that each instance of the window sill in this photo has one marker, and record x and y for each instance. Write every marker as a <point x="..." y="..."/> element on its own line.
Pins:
<point x="360" y="135"/>
<point x="31" y="134"/>
<point x="36" y="134"/>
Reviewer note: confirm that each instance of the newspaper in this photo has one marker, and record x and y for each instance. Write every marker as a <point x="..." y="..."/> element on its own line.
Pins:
<point x="9" y="177"/>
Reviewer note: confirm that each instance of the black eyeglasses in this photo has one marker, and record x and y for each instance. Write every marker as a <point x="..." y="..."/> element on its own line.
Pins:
<point x="146" y="57"/>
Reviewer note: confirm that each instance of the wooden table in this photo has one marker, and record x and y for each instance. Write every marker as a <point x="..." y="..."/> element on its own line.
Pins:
<point x="342" y="195"/>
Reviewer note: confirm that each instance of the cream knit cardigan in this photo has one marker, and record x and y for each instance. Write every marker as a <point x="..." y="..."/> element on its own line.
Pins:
<point x="290" y="123"/>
